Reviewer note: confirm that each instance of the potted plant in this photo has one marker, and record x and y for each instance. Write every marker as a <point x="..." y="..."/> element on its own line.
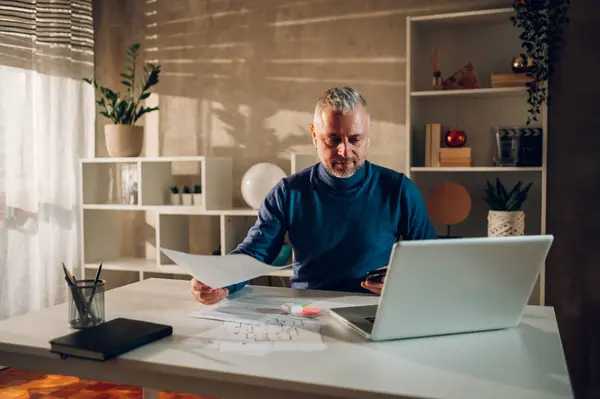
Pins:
<point x="542" y="23"/>
<point x="175" y="197"/>
<point x="506" y="216"/>
<point x="123" y="137"/>
<point x="197" y="195"/>
<point x="186" y="195"/>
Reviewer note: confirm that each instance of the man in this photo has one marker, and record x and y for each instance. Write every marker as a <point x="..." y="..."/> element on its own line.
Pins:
<point x="343" y="215"/>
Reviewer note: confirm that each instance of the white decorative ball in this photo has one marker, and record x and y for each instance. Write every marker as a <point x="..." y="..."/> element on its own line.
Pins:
<point x="258" y="181"/>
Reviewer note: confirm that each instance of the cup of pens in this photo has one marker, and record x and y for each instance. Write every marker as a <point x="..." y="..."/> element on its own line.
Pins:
<point x="86" y="301"/>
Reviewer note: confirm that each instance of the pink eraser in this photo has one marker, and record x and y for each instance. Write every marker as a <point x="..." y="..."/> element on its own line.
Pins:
<point x="308" y="312"/>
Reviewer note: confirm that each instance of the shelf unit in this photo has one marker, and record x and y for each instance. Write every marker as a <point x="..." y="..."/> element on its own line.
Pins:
<point x="127" y="237"/>
<point x="488" y="39"/>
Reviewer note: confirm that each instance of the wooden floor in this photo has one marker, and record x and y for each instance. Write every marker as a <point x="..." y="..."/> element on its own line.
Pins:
<point x="18" y="384"/>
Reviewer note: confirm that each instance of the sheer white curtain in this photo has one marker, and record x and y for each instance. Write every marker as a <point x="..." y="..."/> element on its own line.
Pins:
<point x="46" y="123"/>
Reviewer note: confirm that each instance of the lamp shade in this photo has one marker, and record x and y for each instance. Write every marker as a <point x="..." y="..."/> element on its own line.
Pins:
<point x="258" y="181"/>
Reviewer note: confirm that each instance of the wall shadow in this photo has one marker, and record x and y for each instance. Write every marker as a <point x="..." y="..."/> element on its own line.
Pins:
<point x="256" y="69"/>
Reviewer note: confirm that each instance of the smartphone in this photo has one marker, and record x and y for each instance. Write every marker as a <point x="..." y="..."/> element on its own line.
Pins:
<point x="376" y="276"/>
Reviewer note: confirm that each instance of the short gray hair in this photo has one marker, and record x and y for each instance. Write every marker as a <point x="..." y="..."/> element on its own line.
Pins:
<point x="340" y="99"/>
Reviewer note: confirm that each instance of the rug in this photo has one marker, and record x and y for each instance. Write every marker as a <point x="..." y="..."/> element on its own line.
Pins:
<point x="20" y="384"/>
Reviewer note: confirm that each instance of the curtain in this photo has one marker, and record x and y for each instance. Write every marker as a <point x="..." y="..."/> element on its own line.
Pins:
<point x="46" y="126"/>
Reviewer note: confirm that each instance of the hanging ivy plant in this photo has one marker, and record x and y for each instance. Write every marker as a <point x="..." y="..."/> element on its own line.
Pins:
<point x="542" y="22"/>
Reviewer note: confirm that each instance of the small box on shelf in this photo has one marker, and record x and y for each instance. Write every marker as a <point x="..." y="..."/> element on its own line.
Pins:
<point x="455" y="157"/>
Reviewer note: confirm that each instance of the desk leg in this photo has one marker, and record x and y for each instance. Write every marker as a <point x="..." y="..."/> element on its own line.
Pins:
<point x="148" y="393"/>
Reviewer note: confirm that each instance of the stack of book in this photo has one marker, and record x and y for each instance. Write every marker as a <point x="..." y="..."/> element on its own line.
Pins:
<point x="509" y="79"/>
<point x="455" y="157"/>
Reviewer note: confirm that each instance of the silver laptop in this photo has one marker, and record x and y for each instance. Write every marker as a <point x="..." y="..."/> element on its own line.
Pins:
<point x="448" y="286"/>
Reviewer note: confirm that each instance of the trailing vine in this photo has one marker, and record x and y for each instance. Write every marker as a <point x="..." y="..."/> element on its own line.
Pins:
<point x="542" y="22"/>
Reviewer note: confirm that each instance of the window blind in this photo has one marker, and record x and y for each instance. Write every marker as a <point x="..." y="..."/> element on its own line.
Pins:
<point x="54" y="22"/>
<point x="51" y="36"/>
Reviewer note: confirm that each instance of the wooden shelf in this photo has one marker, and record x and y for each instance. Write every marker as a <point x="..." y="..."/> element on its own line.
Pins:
<point x="144" y="159"/>
<point x="488" y="40"/>
<point x="483" y="17"/>
<point x="477" y="169"/>
<point x="173" y="209"/>
<point x="125" y="264"/>
<point x="114" y="232"/>
<point x="136" y="265"/>
<point x="113" y="207"/>
<point x="474" y="93"/>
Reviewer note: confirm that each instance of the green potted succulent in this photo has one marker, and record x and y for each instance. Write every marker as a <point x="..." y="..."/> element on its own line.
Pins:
<point x="506" y="216"/>
<point x="175" y="196"/>
<point x="197" y="195"/>
<point x="186" y="196"/>
<point x="123" y="137"/>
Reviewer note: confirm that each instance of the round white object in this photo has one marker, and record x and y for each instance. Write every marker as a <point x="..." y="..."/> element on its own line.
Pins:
<point x="258" y="181"/>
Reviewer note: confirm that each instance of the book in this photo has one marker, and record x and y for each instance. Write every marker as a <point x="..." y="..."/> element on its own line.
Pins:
<point x="436" y="143"/>
<point x="109" y="339"/>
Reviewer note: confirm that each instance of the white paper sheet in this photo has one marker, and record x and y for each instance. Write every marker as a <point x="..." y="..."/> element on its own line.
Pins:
<point x="221" y="271"/>
<point x="249" y="309"/>
<point x="345" y="301"/>
<point x="281" y="334"/>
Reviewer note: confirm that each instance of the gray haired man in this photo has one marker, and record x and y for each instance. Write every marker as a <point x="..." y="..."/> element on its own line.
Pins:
<point x="342" y="215"/>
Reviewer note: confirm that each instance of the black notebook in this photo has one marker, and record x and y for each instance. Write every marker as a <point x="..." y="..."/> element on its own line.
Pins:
<point x="109" y="339"/>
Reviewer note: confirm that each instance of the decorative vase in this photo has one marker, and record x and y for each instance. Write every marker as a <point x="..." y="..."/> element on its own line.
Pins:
<point x="124" y="140"/>
<point x="502" y="224"/>
<point x="186" y="199"/>
<point x="197" y="199"/>
<point x="455" y="138"/>
<point x="175" y="199"/>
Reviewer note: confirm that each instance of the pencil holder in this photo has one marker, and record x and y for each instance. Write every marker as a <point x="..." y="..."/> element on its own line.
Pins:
<point x="86" y="304"/>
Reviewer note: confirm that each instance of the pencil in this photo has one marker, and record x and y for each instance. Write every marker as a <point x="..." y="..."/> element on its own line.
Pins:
<point x="96" y="279"/>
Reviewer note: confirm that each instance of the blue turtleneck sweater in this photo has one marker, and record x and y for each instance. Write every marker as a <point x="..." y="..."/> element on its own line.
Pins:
<point x="339" y="228"/>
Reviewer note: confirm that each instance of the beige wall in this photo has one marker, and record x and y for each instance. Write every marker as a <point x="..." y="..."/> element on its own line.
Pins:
<point x="240" y="78"/>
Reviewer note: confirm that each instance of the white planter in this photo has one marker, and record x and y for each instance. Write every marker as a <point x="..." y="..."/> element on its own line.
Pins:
<point x="197" y="199"/>
<point x="175" y="199"/>
<point x="186" y="199"/>
<point x="124" y="140"/>
<point x="502" y="224"/>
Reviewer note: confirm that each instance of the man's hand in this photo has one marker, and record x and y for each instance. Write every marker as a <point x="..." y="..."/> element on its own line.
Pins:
<point x="374" y="287"/>
<point x="205" y="294"/>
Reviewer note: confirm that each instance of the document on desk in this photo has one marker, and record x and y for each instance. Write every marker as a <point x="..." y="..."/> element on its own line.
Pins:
<point x="280" y="334"/>
<point x="248" y="309"/>
<point x="221" y="271"/>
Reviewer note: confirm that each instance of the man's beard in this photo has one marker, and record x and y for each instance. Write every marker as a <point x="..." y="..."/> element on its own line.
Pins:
<point x="348" y="170"/>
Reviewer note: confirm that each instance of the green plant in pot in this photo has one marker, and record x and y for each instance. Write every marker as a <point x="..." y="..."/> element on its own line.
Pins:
<point x="186" y="196"/>
<point x="123" y="137"/>
<point x="506" y="216"/>
<point x="175" y="195"/>
<point x="197" y="195"/>
<point x="542" y="23"/>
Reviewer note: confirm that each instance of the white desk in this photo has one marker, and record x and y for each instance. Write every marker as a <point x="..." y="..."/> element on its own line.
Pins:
<point x="526" y="362"/>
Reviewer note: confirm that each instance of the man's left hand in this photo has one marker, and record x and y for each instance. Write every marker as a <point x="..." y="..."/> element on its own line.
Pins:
<point x="374" y="287"/>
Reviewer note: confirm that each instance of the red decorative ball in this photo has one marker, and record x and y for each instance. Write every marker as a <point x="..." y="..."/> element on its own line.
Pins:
<point x="455" y="138"/>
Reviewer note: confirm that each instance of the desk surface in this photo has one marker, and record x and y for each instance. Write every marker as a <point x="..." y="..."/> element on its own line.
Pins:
<point x="526" y="362"/>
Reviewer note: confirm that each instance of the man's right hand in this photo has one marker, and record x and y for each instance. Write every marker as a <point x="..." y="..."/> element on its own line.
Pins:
<point x="205" y="294"/>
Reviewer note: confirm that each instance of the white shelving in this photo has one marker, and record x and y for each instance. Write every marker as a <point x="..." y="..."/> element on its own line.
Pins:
<point x="492" y="169"/>
<point x="474" y="93"/>
<point x="488" y="39"/>
<point x="128" y="237"/>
